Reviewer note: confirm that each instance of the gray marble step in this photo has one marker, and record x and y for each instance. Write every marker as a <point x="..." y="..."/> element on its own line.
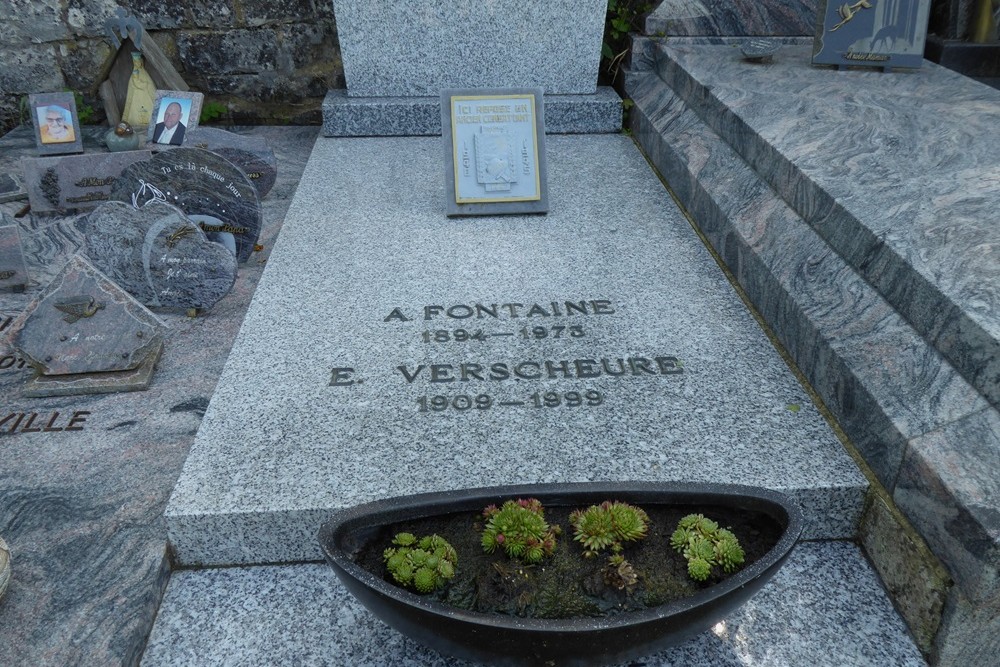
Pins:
<point x="824" y="608"/>
<point x="930" y="437"/>
<point x="363" y="319"/>
<point x="896" y="173"/>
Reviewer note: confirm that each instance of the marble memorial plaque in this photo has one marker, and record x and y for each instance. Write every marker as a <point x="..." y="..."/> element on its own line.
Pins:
<point x="251" y="154"/>
<point x="85" y="334"/>
<point x="211" y="190"/>
<point x="871" y="33"/>
<point x="13" y="272"/>
<point x="75" y="181"/>
<point x="11" y="189"/>
<point x="159" y="255"/>
<point x="495" y="147"/>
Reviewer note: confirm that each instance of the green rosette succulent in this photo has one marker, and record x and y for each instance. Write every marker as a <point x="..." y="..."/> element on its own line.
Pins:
<point x="608" y="525"/>
<point x="705" y="545"/>
<point x="519" y="528"/>
<point x="424" y="564"/>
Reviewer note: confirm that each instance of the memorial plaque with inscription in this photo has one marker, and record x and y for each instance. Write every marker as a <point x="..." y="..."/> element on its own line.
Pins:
<point x="159" y="255"/>
<point x="13" y="271"/>
<point x="211" y="190"/>
<point x="495" y="151"/>
<point x="78" y="182"/>
<point x="84" y="335"/>
<point x="250" y="154"/>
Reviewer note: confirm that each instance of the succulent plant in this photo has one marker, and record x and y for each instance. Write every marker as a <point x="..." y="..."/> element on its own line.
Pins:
<point x="519" y="528"/>
<point x="608" y="525"/>
<point x="424" y="564"/>
<point x="705" y="546"/>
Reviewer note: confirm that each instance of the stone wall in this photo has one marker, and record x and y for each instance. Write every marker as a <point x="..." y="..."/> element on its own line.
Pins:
<point x="267" y="61"/>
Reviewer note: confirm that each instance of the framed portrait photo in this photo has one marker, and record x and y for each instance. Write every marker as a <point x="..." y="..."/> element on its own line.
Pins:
<point x="57" y="125"/>
<point x="174" y="113"/>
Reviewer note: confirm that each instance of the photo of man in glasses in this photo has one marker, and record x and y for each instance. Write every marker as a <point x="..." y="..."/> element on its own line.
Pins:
<point x="56" y="125"/>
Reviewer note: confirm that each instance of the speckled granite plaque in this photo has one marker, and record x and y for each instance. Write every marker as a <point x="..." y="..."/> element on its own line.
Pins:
<point x="13" y="271"/>
<point x="251" y="154"/>
<point x="84" y="334"/>
<point x="495" y="151"/>
<point x="211" y="190"/>
<point x="75" y="181"/>
<point x="159" y="255"/>
<point x="887" y="33"/>
<point x="424" y="353"/>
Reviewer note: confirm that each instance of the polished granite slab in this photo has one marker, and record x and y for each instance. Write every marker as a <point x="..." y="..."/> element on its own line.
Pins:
<point x="82" y="511"/>
<point x="732" y="17"/>
<point x="362" y="311"/>
<point x="824" y="608"/>
<point x="929" y="435"/>
<point x="896" y="172"/>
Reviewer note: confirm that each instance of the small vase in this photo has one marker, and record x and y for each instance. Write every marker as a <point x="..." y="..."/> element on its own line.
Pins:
<point x="122" y="138"/>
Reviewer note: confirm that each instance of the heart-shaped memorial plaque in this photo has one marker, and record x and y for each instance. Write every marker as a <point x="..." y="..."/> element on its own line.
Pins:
<point x="159" y="255"/>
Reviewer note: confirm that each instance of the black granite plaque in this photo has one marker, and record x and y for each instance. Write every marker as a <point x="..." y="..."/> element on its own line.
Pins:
<point x="84" y="334"/>
<point x="211" y="190"/>
<point x="159" y="255"/>
<point x="13" y="272"/>
<point x="78" y="182"/>
<point x="871" y="33"/>
<point x="250" y="154"/>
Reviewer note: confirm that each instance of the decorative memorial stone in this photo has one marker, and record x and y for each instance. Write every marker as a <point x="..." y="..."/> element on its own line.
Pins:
<point x="13" y="272"/>
<point x="75" y="182"/>
<point x="159" y="255"/>
<point x="874" y="34"/>
<point x="495" y="147"/>
<point x="251" y="154"/>
<point x="85" y="335"/>
<point x="211" y="190"/>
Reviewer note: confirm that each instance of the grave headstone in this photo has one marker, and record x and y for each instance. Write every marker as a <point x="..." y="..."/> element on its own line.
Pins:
<point x="85" y="335"/>
<point x="494" y="151"/>
<point x="210" y="189"/>
<point x="159" y="255"/>
<point x="11" y="189"/>
<point x="78" y="182"/>
<point x="13" y="271"/>
<point x="251" y="154"/>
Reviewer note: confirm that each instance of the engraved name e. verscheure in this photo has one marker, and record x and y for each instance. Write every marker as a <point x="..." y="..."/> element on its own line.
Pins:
<point x="482" y="322"/>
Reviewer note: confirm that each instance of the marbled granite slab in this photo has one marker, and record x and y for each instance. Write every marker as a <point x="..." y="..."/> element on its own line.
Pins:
<point x="345" y="116"/>
<point x="898" y="173"/>
<point x="83" y="511"/>
<point x="328" y="419"/>
<point x="732" y="17"/>
<point x="883" y="381"/>
<point x="824" y="608"/>
<point x="421" y="47"/>
<point x="950" y="486"/>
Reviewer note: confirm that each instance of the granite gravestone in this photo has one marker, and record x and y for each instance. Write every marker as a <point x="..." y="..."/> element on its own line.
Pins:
<point x="250" y="154"/>
<point x="85" y="335"/>
<point x="211" y="190"/>
<point x="159" y="255"/>
<point x="13" y="271"/>
<point x="495" y="151"/>
<point x="75" y="182"/>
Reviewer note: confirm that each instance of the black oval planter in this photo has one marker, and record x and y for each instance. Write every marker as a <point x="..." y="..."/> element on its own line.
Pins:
<point x="499" y="640"/>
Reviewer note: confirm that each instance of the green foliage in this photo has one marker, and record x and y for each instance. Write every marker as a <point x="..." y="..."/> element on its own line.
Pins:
<point x="623" y="17"/>
<point x="424" y="565"/>
<point x="212" y="110"/>
<point x="84" y="111"/>
<point x="705" y="546"/>
<point x="607" y="525"/>
<point x="519" y="528"/>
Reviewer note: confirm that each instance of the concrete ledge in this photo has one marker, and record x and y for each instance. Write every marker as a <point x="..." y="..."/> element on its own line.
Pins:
<point x="345" y="116"/>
